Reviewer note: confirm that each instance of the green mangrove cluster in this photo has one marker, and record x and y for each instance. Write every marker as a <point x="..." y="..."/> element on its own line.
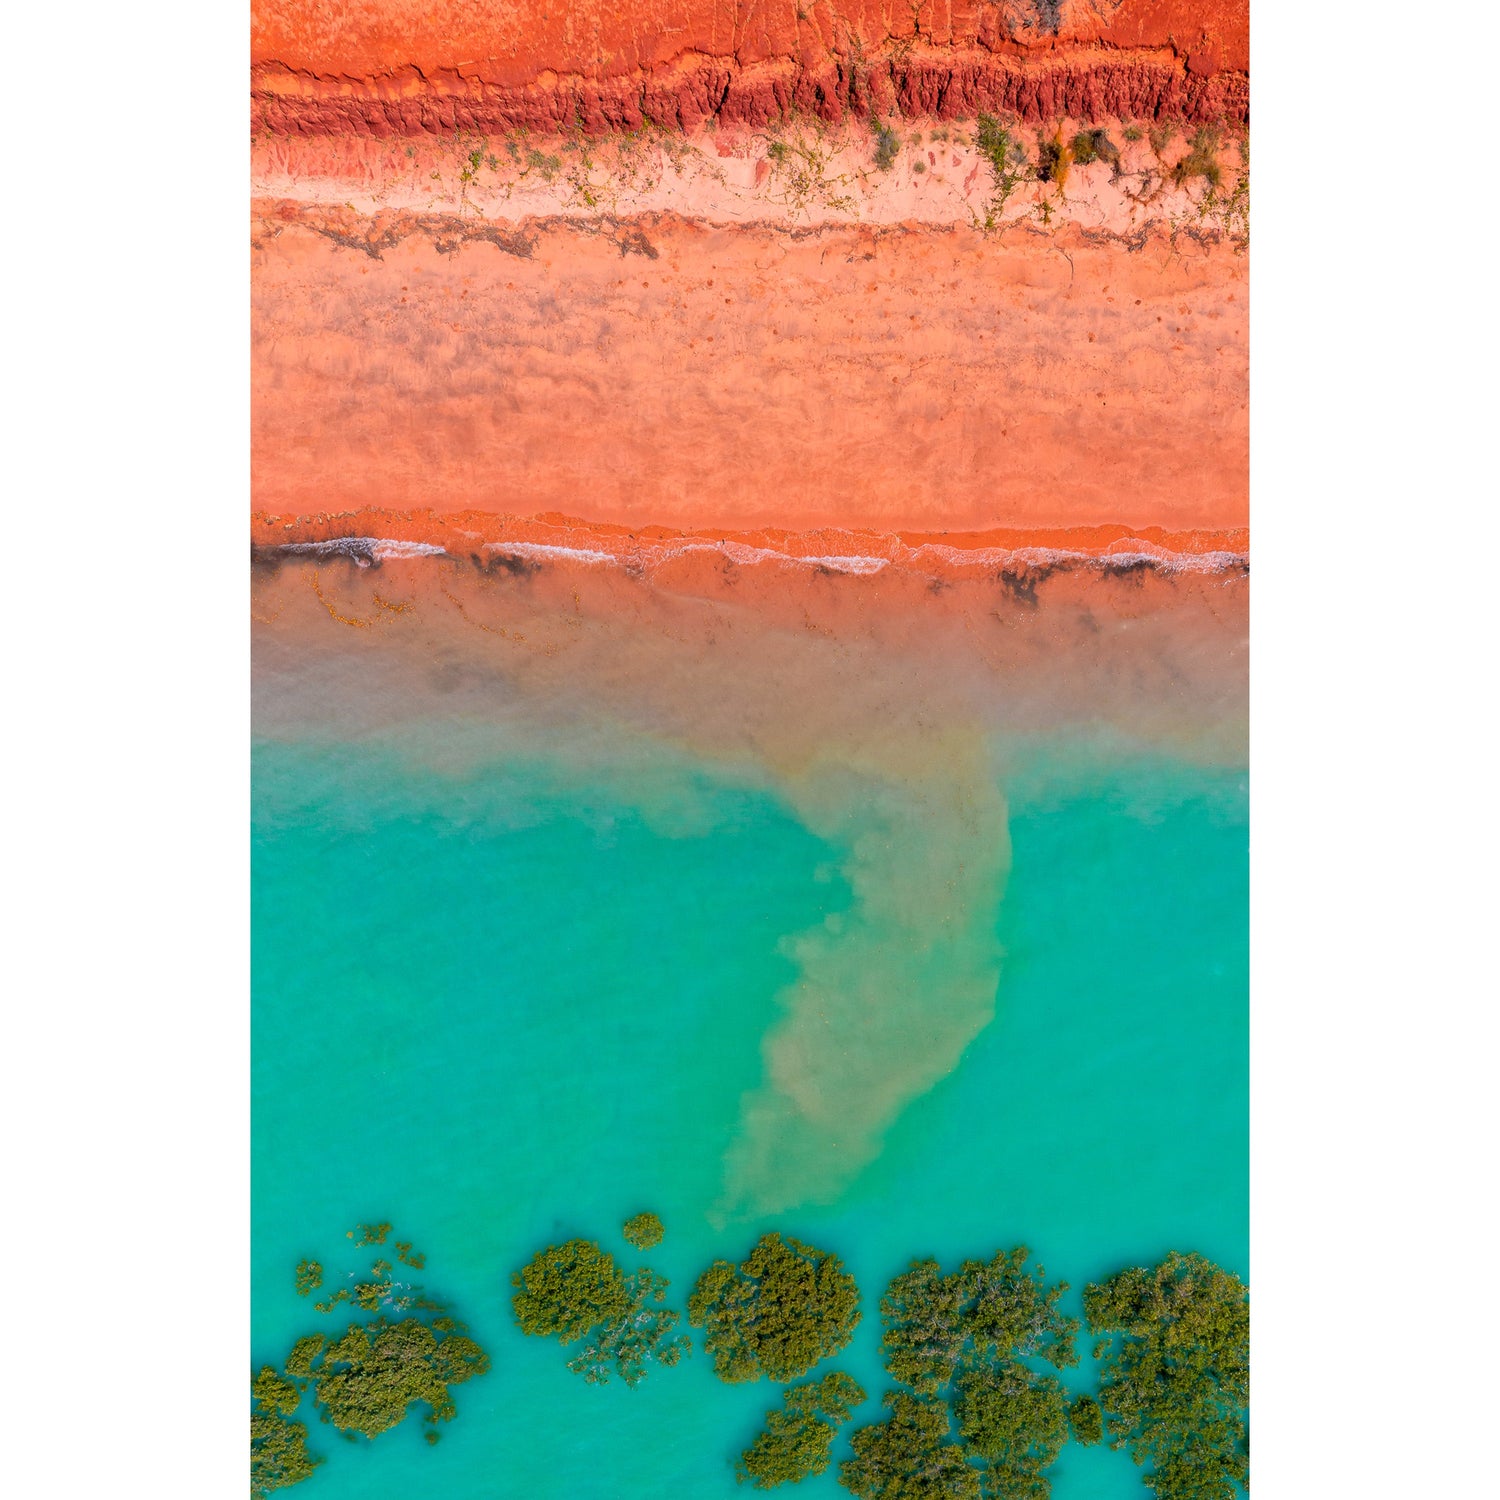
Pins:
<point x="409" y="1351"/>
<point x="782" y="1309"/>
<point x="575" y="1291"/>
<point x="1175" y="1377"/>
<point x="966" y="1343"/>
<point x="797" y="1440"/>
<point x="978" y="1413"/>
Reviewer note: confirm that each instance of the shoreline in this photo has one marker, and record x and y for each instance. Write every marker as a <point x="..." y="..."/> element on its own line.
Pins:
<point x="372" y="536"/>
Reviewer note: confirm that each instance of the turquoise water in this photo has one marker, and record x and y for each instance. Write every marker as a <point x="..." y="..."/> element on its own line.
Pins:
<point x="503" y="1006"/>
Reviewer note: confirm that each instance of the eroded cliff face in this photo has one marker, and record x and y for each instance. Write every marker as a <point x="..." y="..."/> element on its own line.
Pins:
<point x="406" y="67"/>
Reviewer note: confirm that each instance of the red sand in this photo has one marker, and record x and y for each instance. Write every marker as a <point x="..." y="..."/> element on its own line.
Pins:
<point x="665" y="372"/>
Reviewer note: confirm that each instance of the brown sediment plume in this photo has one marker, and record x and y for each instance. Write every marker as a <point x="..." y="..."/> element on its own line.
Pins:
<point x="400" y="68"/>
<point x="882" y="708"/>
<point x="657" y="370"/>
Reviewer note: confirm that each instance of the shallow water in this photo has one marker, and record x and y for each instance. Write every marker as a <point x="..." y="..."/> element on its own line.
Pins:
<point x="509" y="997"/>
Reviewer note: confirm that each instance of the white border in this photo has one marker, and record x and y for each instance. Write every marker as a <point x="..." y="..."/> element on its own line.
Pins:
<point x="126" y="1061"/>
<point x="126" y="1048"/>
<point x="1372" y="684"/>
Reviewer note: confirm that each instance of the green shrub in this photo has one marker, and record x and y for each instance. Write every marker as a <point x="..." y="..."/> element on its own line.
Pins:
<point x="777" y="1313"/>
<point x="998" y="1308"/>
<point x="278" y="1452"/>
<point x="645" y="1333"/>
<point x="797" y="1440"/>
<point x="1016" y="1422"/>
<point x="576" y="1291"/>
<point x="567" y="1289"/>
<point x="1175" y="1373"/>
<point x="366" y="1380"/>
<point x="1086" y="1420"/>
<point x="644" y="1231"/>
<point x="909" y="1456"/>
<point x="1202" y="160"/>
<point x="1094" y="145"/>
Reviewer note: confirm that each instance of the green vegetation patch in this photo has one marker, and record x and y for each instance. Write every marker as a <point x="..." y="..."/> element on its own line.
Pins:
<point x="365" y="1381"/>
<point x="576" y="1291"/>
<point x="1094" y="145"/>
<point x="1086" y="1420"/>
<point x="797" y="1440"/>
<point x="1008" y="164"/>
<point x="910" y="1456"/>
<point x="923" y="1313"/>
<point x="567" y="1289"/>
<point x="299" y="1362"/>
<point x="777" y="1313"/>
<point x="644" y="1334"/>
<point x="1010" y="1311"/>
<point x="1201" y="161"/>
<point x="887" y="145"/>
<point x="999" y="147"/>
<point x="309" y="1277"/>
<point x="1175" y="1377"/>
<point x="999" y="1307"/>
<point x="278" y="1451"/>
<point x="644" y="1231"/>
<point x="1016" y="1422"/>
<point x="966" y="1335"/>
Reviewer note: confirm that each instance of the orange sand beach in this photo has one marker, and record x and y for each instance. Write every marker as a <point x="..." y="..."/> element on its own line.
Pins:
<point x="661" y="371"/>
<point x="750" y="336"/>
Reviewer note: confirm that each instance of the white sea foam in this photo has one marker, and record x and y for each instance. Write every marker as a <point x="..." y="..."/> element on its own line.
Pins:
<point x="858" y="565"/>
<point x="546" y="549"/>
<point x="390" y="548"/>
<point x="1124" y="554"/>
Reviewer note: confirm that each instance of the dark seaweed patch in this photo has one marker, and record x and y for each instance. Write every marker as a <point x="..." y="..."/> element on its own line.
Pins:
<point x="505" y="562"/>
<point x="1020" y="584"/>
<point x="1131" y="570"/>
<point x="634" y="242"/>
<point x="359" y="550"/>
